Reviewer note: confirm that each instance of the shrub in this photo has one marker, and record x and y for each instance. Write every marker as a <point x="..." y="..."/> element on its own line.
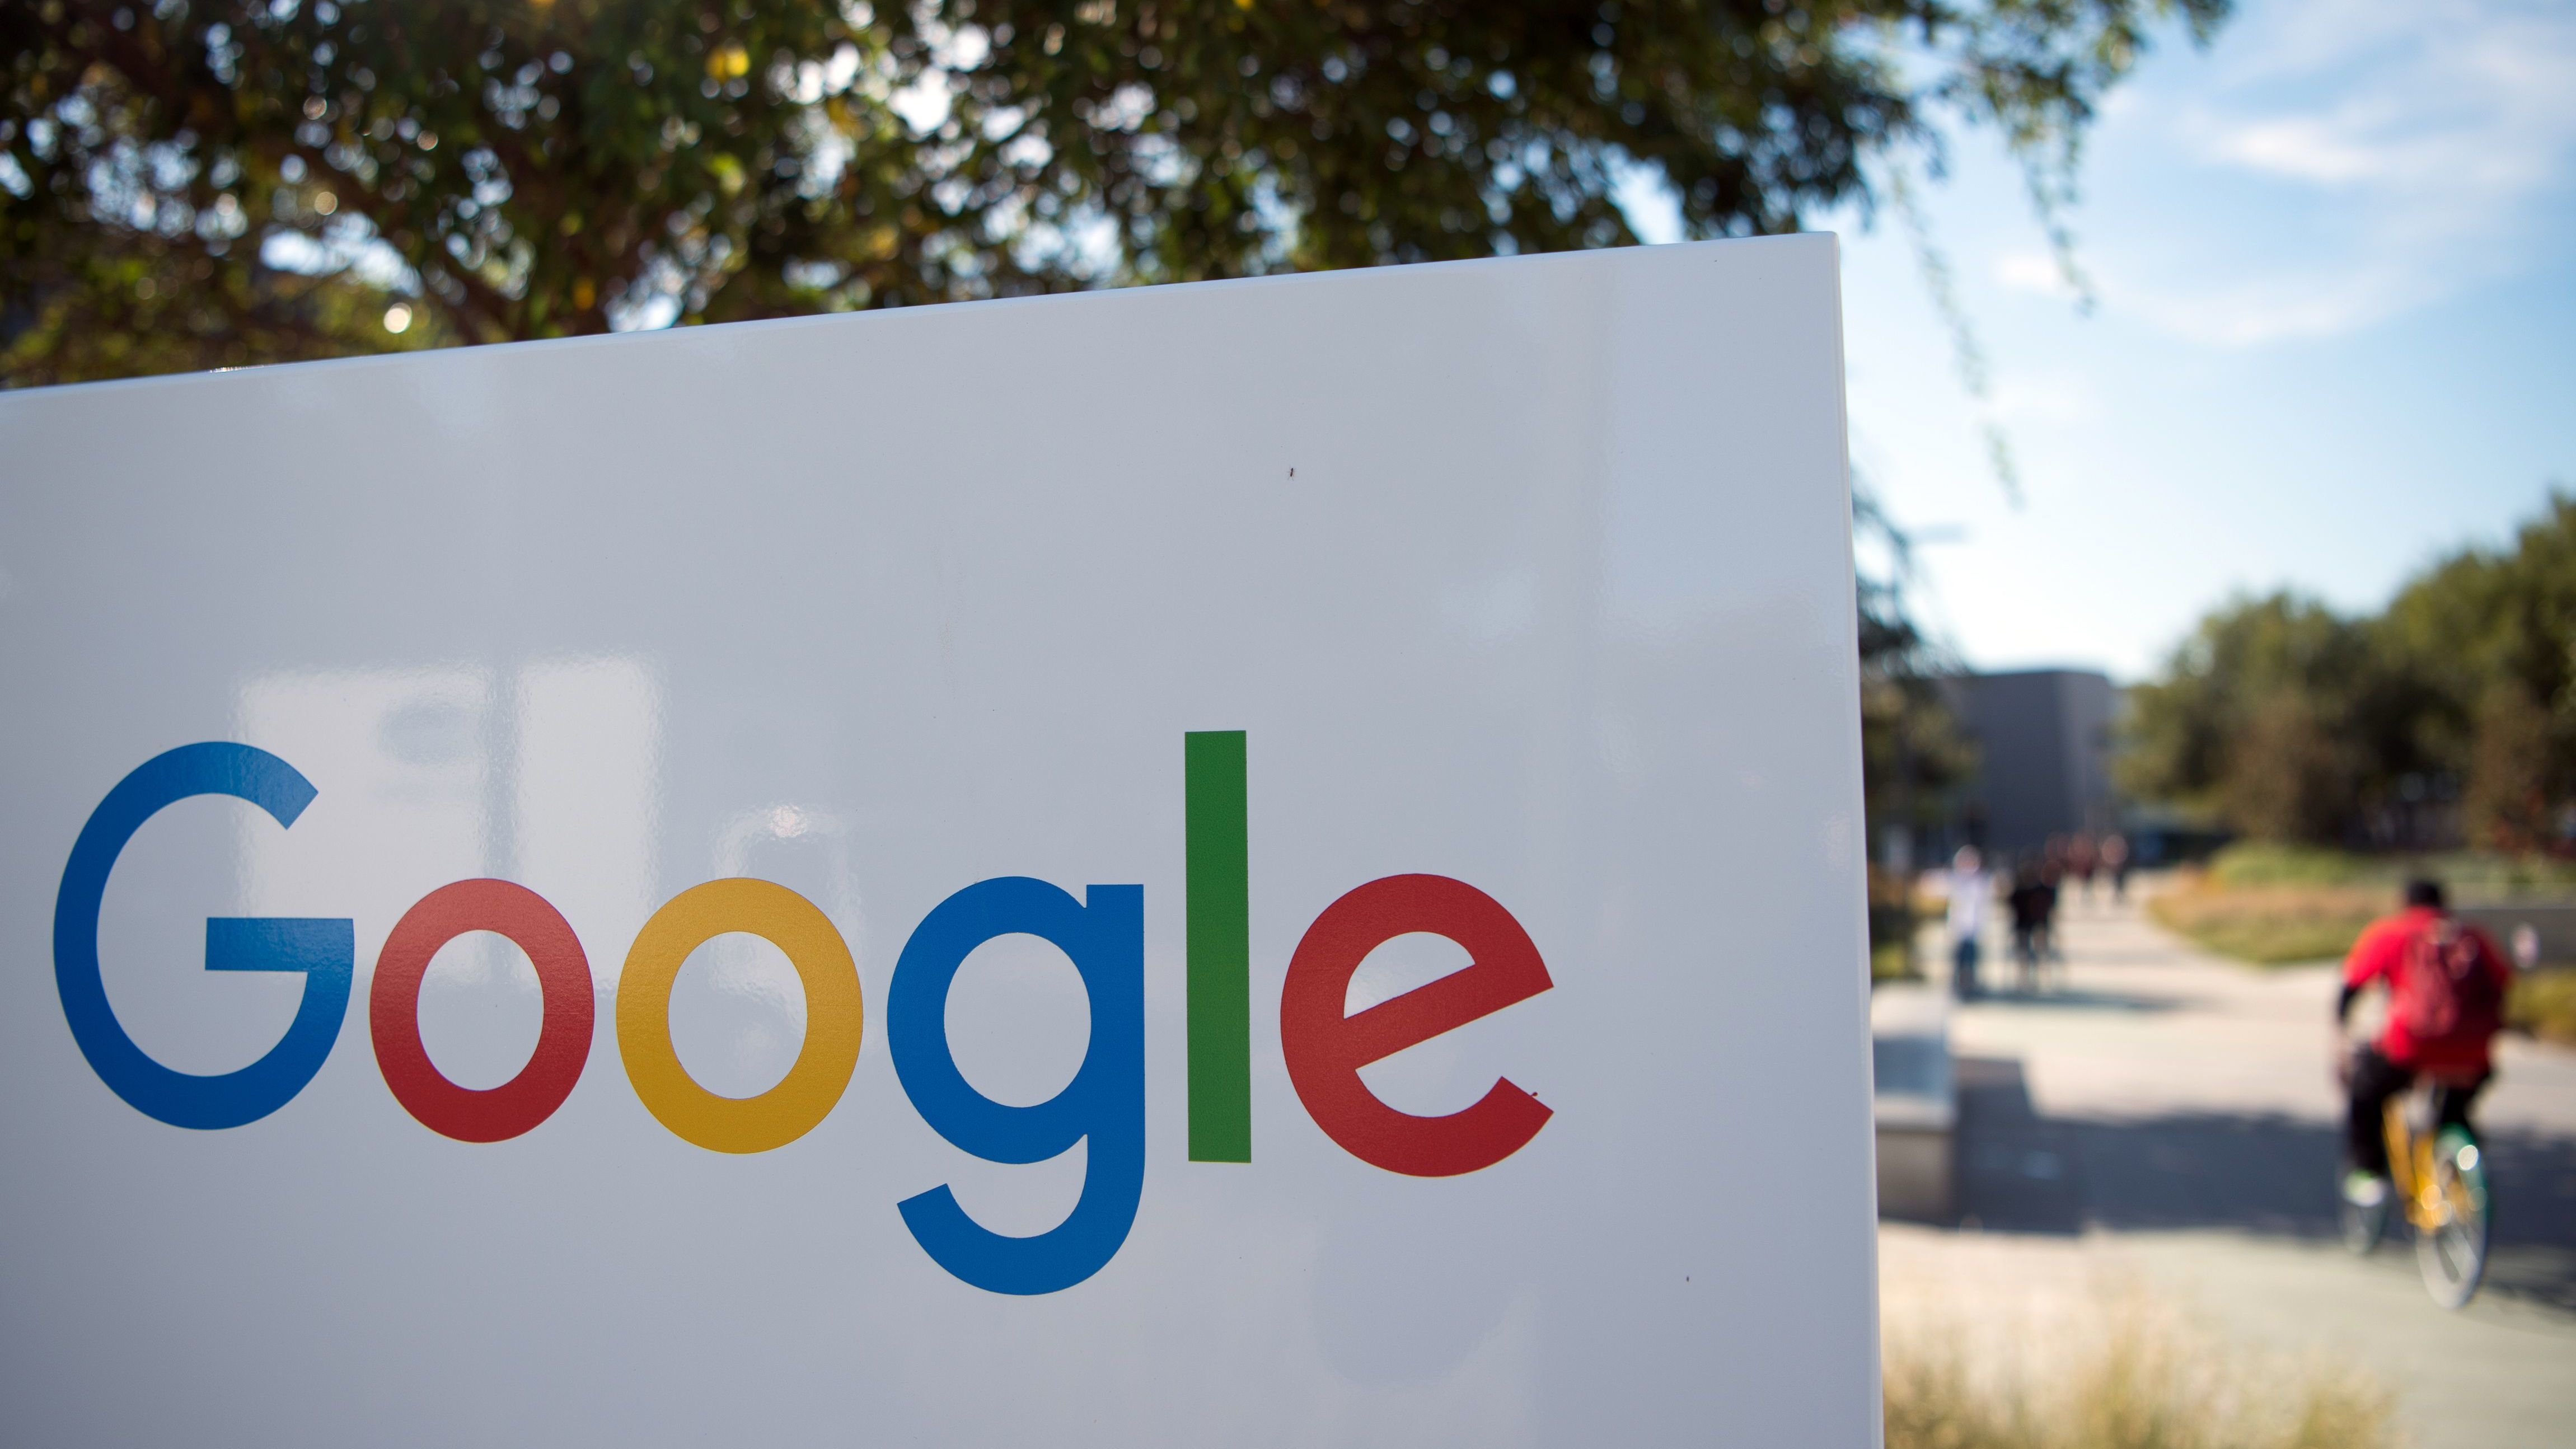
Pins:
<point x="2472" y="876"/>
<point x="2258" y="863"/>
<point x="2544" y="1003"/>
<point x="2272" y="904"/>
<point x="1891" y="927"/>
<point x="2269" y="924"/>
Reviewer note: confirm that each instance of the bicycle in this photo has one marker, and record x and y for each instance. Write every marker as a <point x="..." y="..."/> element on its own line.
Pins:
<point x="2438" y="1172"/>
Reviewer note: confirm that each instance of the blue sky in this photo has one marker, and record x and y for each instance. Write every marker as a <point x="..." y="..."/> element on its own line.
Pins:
<point x="2335" y="263"/>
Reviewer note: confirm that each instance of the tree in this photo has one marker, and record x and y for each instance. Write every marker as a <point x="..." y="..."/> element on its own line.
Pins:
<point x="2287" y="777"/>
<point x="190" y="183"/>
<point x="1913" y="751"/>
<point x="2276" y="718"/>
<point x="2506" y="804"/>
<point x="2288" y="721"/>
<point x="2491" y="636"/>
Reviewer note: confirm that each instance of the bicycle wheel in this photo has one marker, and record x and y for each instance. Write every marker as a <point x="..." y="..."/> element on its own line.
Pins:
<point x="2453" y="1252"/>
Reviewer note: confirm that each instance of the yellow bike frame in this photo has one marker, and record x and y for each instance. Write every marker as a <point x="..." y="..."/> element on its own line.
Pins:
<point x="2410" y="1166"/>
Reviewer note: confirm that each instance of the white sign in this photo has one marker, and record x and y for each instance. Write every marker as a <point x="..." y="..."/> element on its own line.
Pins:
<point x="1263" y="863"/>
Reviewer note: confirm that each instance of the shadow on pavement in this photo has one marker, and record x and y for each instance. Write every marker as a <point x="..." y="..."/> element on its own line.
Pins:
<point x="2017" y="1170"/>
<point x="2147" y="955"/>
<point x="2258" y="1173"/>
<point x="2074" y="998"/>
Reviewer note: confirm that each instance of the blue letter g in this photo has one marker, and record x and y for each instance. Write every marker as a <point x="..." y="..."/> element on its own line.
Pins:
<point x="322" y="949"/>
<point x="1105" y="1101"/>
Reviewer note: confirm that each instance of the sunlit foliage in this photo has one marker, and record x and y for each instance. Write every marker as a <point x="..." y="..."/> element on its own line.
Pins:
<point x="2449" y="718"/>
<point x="191" y="183"/>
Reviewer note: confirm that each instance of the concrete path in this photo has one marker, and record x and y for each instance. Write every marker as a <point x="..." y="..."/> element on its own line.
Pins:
<point x="2164" y="1116"/>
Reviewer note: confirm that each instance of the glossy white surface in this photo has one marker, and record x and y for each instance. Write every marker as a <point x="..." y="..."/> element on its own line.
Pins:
<point x="1557" y="601"/>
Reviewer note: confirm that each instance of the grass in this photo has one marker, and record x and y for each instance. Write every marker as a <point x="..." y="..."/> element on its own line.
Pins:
<point x="2254" y="863"/>
<point x="1892" y="961"/>
<point x="2544" y="1003"/>
<point x="2289" y="906"/>
<point x="2135" y="1377"/>
<point x="2272" y="923"/>
<point x="1891" y="929"/>
<point x="2474" y="877"/>
<point x="2271" y="904"/>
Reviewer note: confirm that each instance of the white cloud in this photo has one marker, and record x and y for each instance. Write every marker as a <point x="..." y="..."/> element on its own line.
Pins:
<point x="2034" y="272"/>
<point x="2477" y="103"/>
<point x="2305" y="148"/>
<point x="2287" y="306"/>
<point x="2058" y="397"/>
<point x="2413" y="145"/>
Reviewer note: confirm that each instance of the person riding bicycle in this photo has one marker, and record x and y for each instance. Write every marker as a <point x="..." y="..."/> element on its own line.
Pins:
<point x="2446" y="982"/>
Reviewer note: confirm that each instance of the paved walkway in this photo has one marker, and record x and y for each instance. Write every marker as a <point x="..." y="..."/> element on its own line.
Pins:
<point x="2165" y="1116"/>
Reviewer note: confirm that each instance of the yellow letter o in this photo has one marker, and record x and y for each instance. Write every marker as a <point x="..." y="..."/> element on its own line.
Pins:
<point x="835" y="1015"/>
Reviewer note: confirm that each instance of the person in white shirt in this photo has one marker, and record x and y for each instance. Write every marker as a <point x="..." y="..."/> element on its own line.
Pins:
<point x="1971" y="892"/>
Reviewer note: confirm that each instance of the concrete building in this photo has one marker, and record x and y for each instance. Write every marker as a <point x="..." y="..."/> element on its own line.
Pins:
<point x="2044" y="742"/>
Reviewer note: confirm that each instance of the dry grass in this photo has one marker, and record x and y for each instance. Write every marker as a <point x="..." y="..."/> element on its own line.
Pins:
<point x="2544" y="1003"/>
<point x="2272" y="904"/>
<point x="1892" y="961"/>
<point x="2277" y="924"/>
<point x="2132" y="1374"/>
<point x="2268" y="924"/>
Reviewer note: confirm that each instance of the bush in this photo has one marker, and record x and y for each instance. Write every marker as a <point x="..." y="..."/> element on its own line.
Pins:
<point x="2276" y="904"/>
<point x="2543" y="1003"/>
<point x="1891" y="927"/>
<point x="2269" y="924"/>
<point x="2471" y="875"/>
<point x="2257" y="863"/>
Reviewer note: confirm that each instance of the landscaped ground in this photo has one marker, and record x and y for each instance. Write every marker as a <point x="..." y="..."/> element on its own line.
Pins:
<point x="2271" y="905"/>
<point x="2543" y="1003"/>
<point x="2269" y="924"/>
<point x="2109" y="1364"/>
<point x="2148" y="1148"/>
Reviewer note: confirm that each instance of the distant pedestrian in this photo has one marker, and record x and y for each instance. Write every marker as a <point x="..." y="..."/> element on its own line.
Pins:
<point x="1970" y="892"/>
<point x="2032" y="901"/>
<point x="2051" y="877"/>
<point x="2115" y="859"/>
<point x="2082" y="856"/>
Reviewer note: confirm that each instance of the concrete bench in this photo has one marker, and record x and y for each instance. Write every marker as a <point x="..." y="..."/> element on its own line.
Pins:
<point x="1916" y="1102"/>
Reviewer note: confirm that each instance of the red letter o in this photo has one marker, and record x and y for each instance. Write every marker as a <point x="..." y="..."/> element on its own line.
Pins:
<point x="563" y="1038"/>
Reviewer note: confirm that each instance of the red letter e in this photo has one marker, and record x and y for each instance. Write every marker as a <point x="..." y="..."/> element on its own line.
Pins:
<point x="1326" y="1049"/>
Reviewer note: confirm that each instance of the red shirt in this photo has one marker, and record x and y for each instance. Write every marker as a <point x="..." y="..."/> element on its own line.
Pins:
<point x="2378" y="955"/>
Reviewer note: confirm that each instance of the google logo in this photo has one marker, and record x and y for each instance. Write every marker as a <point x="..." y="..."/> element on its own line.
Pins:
<point x="1102" y="932"/>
